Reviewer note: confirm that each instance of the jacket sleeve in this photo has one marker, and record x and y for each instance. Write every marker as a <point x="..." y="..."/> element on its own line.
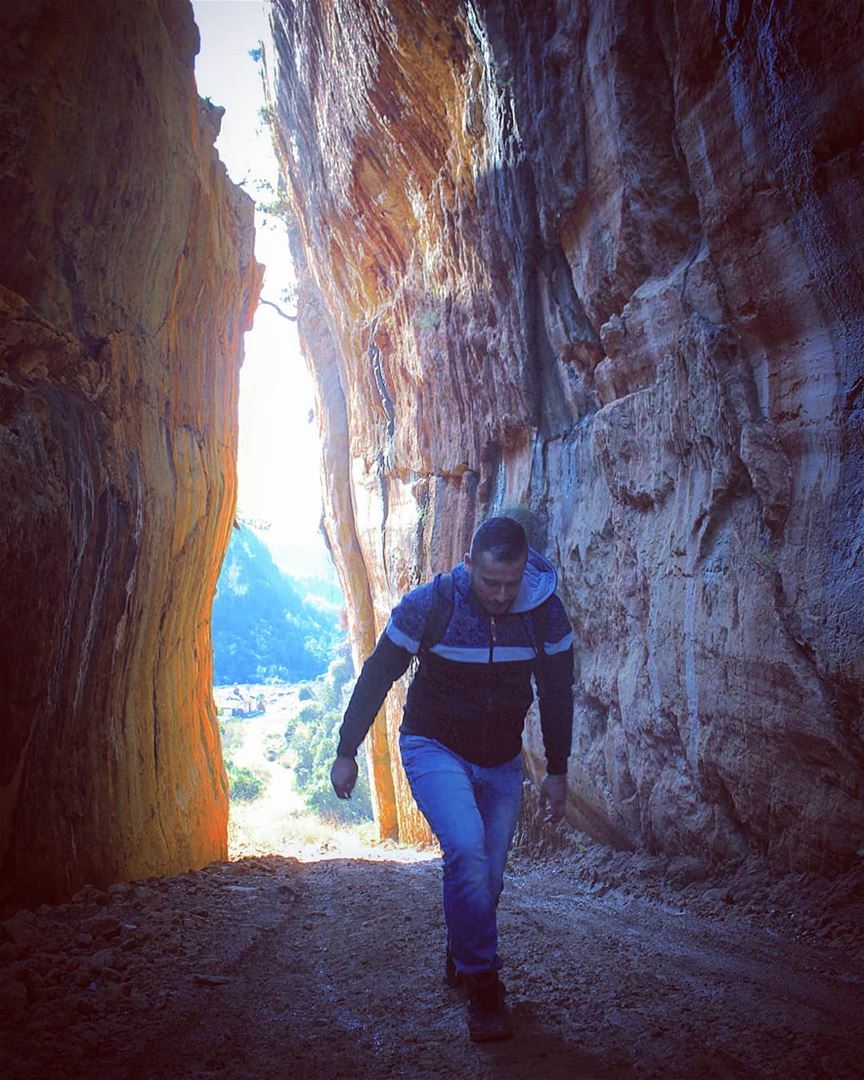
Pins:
<point x="554" y="676"/>
<point x="388" y="662"/>
<point x="385" y="665"/>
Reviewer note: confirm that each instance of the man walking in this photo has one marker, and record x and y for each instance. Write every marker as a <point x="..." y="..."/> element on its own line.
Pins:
<point x="480" y="633"/>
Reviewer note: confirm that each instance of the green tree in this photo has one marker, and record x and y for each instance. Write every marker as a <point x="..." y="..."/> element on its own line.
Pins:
<point x="312" y="736"/>
<point x="266" y="627"/>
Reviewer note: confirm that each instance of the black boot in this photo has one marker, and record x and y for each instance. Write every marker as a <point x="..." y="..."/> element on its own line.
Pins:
<point x="488" y="1019"/>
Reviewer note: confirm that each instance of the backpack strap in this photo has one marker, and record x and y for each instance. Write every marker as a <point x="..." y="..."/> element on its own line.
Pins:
<point x="540" y="625"/>
<point x="440" y="612"/>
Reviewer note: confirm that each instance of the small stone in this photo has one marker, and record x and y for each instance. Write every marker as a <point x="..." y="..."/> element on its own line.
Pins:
<point x="684" y="870"/>
<point x="102" y="959"/>
<point x="102" y="926"/>
<point x="120" y="961"/>
<point x="717" y="896"/>
<point x="89" y="894"/>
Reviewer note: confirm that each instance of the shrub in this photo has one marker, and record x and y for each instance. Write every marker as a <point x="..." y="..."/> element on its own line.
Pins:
<point x="244" y="785"/>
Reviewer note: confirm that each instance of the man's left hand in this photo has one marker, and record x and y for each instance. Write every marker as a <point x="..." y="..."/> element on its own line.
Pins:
<point x="553" y="796"/>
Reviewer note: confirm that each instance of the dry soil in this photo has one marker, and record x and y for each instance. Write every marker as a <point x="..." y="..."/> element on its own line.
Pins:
<point x="268" y="966"/>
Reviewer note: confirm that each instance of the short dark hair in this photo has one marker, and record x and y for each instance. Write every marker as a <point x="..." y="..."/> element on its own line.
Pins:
<point x="502" y="538"/>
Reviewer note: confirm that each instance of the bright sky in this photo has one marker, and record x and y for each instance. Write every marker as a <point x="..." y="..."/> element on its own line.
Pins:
<point x="279" y="453"/>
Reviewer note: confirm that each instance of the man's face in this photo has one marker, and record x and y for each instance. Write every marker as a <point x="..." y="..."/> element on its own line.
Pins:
<point x="494" y="584"/>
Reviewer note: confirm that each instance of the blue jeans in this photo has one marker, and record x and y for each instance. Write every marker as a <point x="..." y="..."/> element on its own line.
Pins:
<point x="473" y="811"/>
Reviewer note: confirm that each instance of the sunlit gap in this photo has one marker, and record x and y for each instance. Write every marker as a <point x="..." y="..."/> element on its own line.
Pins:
<point x="282" y="666"/>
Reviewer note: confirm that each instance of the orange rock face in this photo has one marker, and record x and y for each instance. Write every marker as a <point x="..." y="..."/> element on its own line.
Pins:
<point x="606" y="260"/>
<point x="126" y="281"/>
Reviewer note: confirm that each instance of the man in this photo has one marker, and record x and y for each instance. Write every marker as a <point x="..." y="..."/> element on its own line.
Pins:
<point x="461" y="732"/>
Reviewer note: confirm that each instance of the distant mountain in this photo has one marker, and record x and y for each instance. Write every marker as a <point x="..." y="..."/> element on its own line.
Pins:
<point x="267" y="625"/>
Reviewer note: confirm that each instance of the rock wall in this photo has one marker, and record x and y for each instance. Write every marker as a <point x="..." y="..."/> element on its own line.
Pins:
<point x="126" y="280"/>
<point x="606" y="260"/>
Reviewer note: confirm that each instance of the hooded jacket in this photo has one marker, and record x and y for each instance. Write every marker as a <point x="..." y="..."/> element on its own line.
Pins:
<point x="472" y="688"/>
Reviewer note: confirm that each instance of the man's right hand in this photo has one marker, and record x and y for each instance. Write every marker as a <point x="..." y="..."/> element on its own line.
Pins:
<point x="343" y="776"/>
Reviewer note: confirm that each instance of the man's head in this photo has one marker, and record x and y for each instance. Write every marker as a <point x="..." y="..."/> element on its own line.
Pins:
<point x="499" y="551"/>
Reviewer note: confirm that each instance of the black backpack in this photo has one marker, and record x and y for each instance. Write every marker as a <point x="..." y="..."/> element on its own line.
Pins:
<point x="441" y="613"/>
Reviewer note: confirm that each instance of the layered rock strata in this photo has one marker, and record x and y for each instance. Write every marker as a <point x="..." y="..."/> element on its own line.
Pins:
<point x="127" y="279"/>
<point x="606" y="260"/>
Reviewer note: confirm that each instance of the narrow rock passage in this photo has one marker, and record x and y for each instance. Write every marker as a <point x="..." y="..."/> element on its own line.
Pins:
<point x="270" y="967"/>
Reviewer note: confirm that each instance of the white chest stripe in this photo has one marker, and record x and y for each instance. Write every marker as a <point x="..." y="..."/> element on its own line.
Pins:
<point x="560" y="646"/>
<point x="473" y="655"/>
<point x="401" y="639"/>
<point x="501" y="654"/>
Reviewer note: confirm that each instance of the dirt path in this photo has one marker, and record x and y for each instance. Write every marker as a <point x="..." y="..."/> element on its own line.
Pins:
<point x="269" y="967"/>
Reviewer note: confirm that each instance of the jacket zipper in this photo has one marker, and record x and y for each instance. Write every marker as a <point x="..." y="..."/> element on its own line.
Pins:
<point x="491" y="636"/>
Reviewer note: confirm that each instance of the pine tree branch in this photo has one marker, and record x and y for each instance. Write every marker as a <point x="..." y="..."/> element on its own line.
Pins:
<point x="284" y="314"/>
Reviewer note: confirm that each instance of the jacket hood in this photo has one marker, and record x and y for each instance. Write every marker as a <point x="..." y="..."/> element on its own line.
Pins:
<point x="538" y="582"/>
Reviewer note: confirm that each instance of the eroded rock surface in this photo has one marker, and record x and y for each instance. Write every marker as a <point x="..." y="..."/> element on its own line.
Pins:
<point x="606" y="260"/>
<point x="126" y="280"/>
